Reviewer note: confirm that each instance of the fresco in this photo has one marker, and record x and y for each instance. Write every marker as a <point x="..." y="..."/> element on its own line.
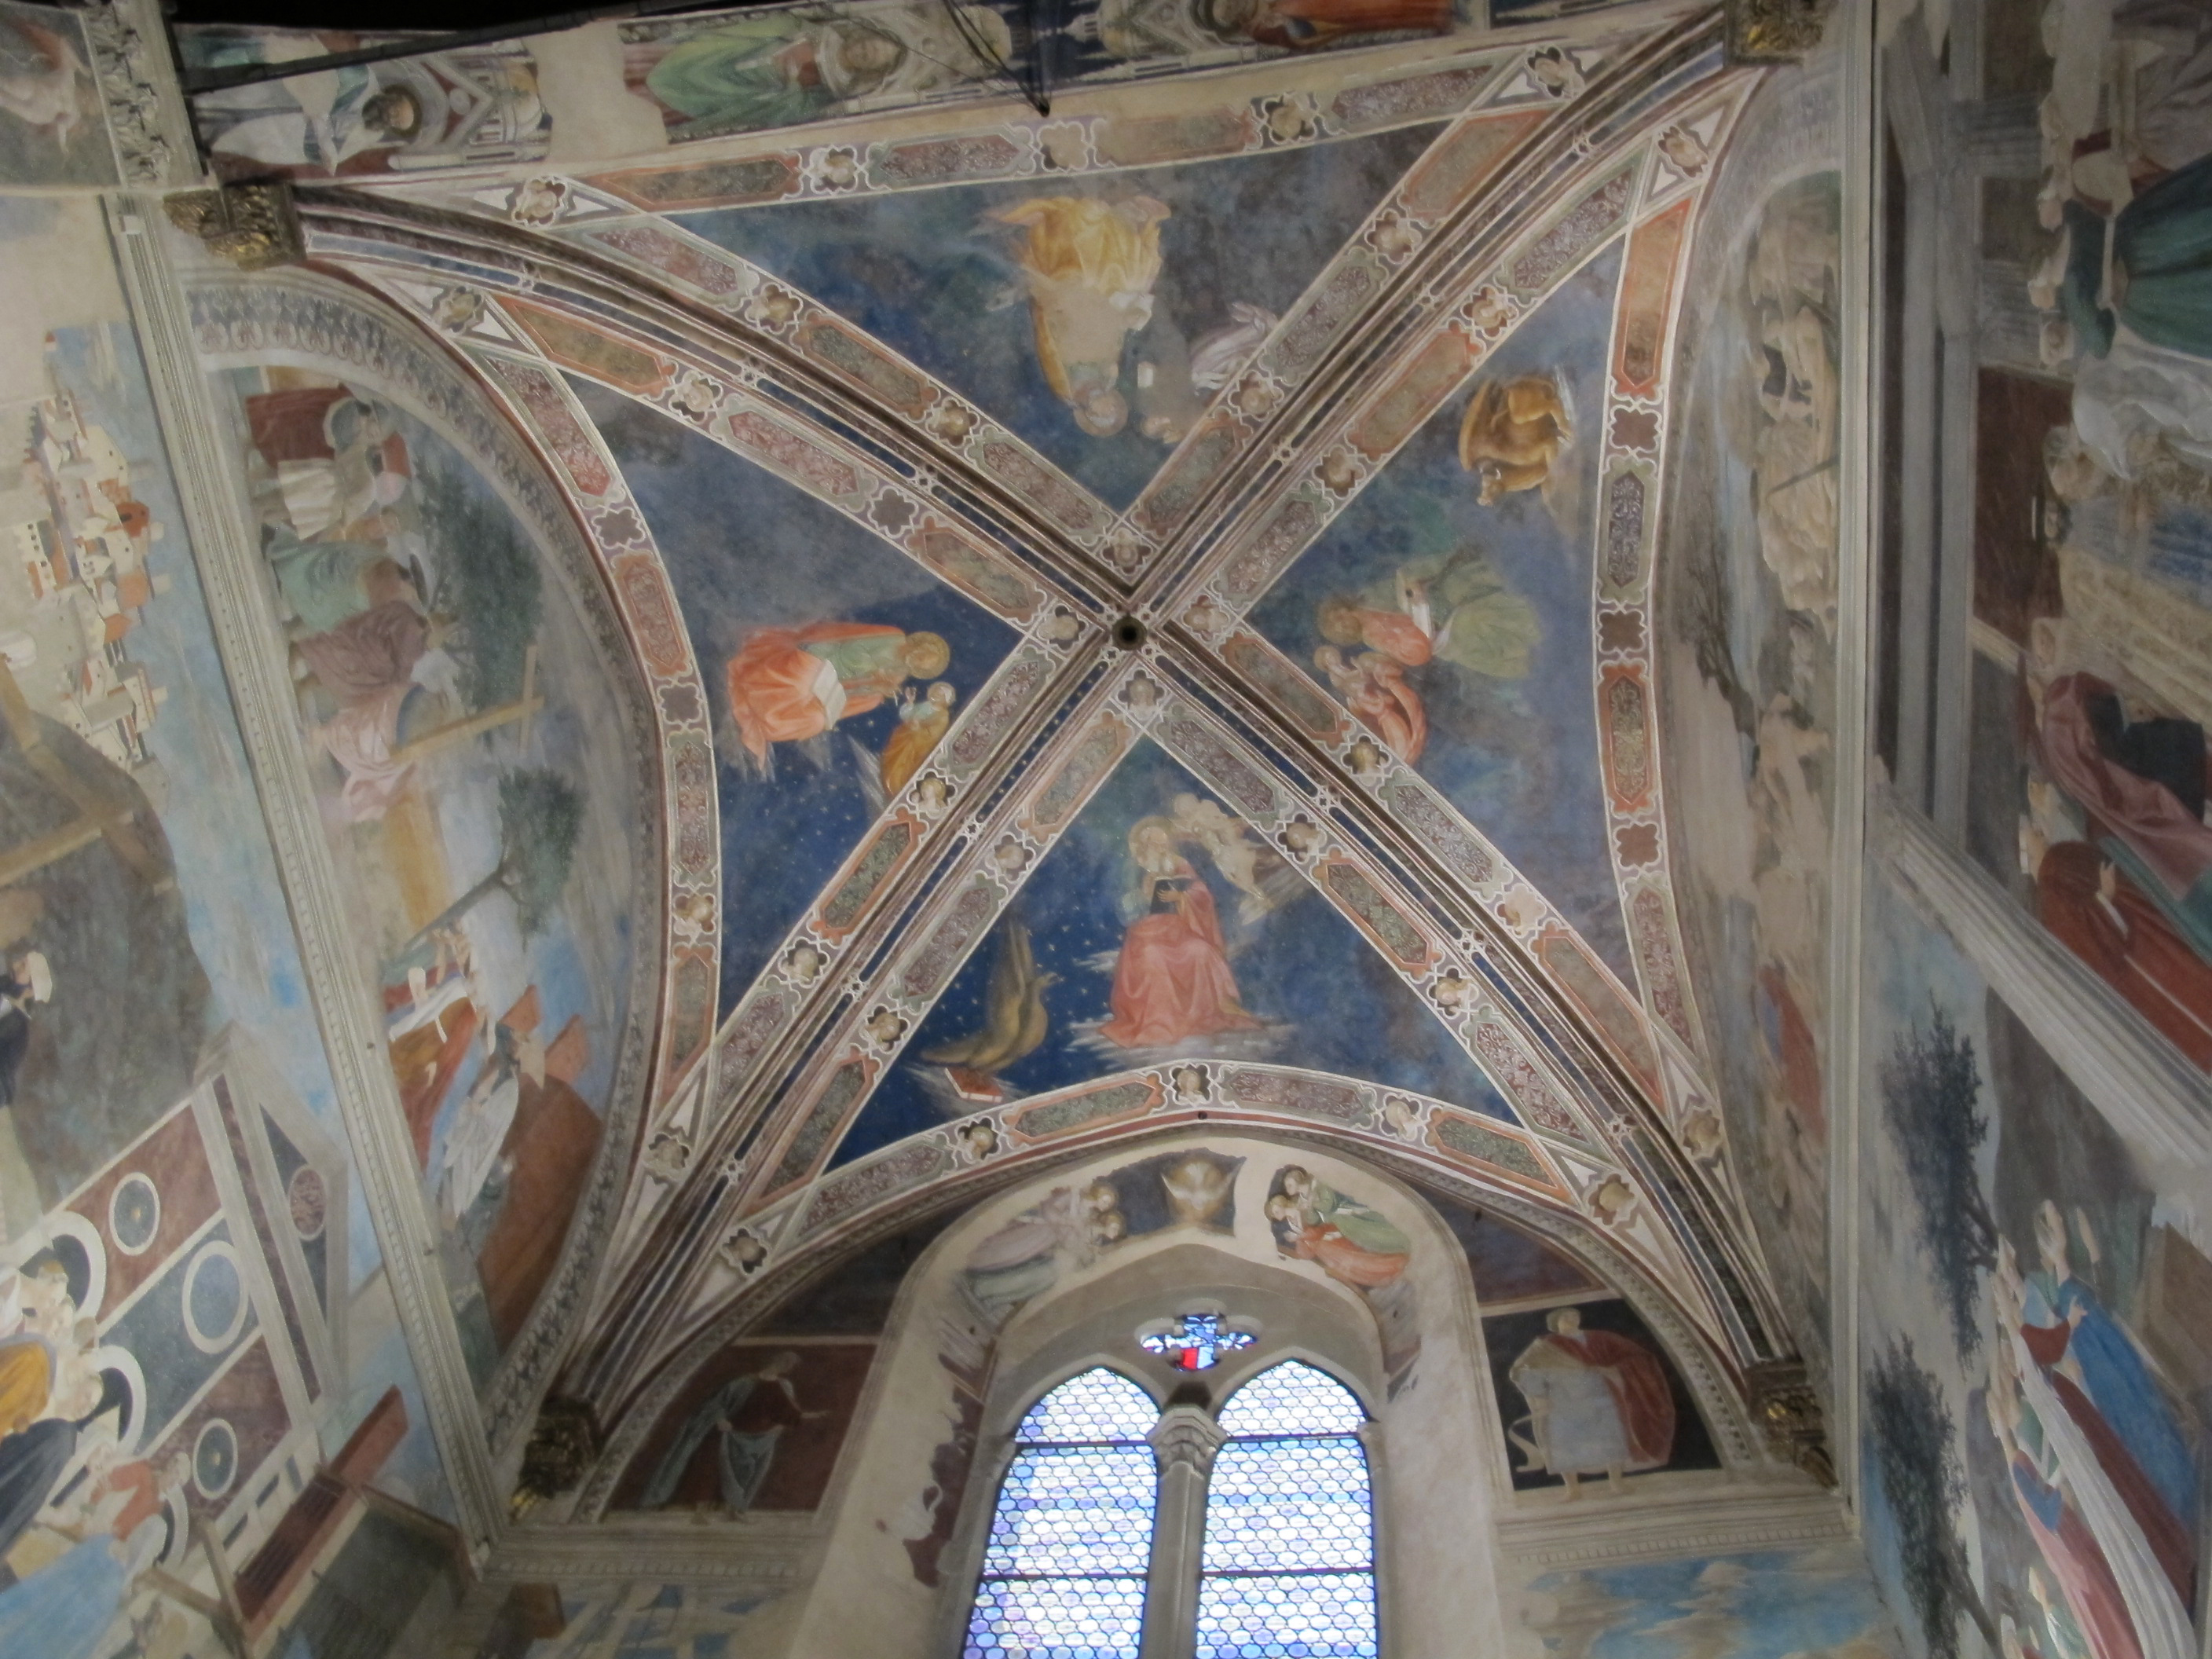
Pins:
<point x="1590" y="1399"/>
<point x="52" y="131"/>
<point x="1749" y="689"/>
<point x="601" y="1620"/>
<point x="1815" y="1603"/>
<point x="1094" y="316"/>
<point x="1161" y="928"/>
<point x="176" y="1378"/>
<point x="757" y="1427"/>
<point x="467" y="755"/>
<point x="909" y="651"/>
<point x="2093" y="525"/>
<point x="2034" y="1292"/>
<point x="710" y="76"/>
<point x="1358" y="1247"/>
<point x="1450" y="605"/>
<point x="781" y="67"/>
<point x="1509" y="1266"/>
<point x="475" y="106"/>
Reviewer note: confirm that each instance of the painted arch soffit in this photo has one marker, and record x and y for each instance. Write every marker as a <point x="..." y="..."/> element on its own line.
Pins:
<point x="300" y="324"/>
<point x="809" y="397"/>
<point x="1407" y="1137"/>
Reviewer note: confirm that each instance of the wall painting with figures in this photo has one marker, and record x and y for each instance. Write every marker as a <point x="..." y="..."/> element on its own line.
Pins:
<point x="2031" y="1332"/>
<point x="614" y="88"/>
<point x="466" y="753"/>
<point x="1748" y="674"/>
<point x="197" y="1340"/>
<point x="2091" y="510"/>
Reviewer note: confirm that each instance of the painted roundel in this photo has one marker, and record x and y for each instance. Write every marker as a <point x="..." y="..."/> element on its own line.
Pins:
<point x="309" y="1201"/>
<point x="134" y="1213"/>
<point x="215" y="1458"/>
<point x="215" y="1298"/>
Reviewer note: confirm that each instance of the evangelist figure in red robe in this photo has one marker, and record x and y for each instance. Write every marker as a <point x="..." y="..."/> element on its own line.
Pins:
<point x="1597" y="1403"/>
<point x="1173" y="981"/>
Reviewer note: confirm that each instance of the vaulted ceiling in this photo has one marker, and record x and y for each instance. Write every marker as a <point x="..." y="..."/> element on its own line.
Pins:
<point x="1343" y="626"/>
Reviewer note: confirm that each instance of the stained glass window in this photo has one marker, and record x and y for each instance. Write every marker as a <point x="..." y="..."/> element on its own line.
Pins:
<point x="1289" y="1558"/>
<point x="1064" y="1573"/>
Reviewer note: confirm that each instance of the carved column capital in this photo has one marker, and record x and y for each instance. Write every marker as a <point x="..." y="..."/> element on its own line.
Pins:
<point x="563" y="1443"/>
<point x="252" y="226"/>
<point x="1774" y="31"/>
<point x="1186" y="1435"/>
<point x="1789" y="1409"/>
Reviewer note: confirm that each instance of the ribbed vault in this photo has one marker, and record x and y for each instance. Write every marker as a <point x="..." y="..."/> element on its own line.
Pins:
<point x="1132" y="630"/>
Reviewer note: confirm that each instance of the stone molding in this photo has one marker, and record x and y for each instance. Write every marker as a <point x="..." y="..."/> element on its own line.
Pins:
<point x="224" y="546"/>
<point x="1186" y="1435"/>
<point x="1597" y="1528"/>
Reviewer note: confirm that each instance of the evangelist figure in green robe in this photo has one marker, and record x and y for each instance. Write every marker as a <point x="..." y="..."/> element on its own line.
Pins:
<point x="2161" y="276"/>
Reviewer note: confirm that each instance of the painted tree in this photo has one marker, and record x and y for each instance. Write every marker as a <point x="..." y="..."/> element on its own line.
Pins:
<point x="541" y="816"/>
<point x="489" y="581"/>
<point x="1910" y="1428"/>
<point x="1931" y="1091"/>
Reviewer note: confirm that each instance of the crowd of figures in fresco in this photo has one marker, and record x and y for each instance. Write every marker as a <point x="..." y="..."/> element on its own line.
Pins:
<point x="197" y="1335"/>
<point x="2044" y="1367"/>
<point x="447" y="697"/>
<point x="2093" y="584"/>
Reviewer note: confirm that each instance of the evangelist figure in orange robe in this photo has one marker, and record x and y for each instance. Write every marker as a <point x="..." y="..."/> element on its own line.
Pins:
<point x="787" y="684"/>
<point x="1173" y="981"/>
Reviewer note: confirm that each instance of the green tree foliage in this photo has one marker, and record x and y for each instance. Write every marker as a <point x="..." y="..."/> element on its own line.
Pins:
<point x="1930" y="1096"/>
<point x="541" y="816"/>
<point x="1910" y="1428"/>
<point x="487" y="580"/>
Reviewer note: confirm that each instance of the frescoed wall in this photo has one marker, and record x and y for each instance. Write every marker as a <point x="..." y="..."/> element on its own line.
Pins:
<point x="1590" y="1399"/>
<point x="457" y="711"/>
<point x="53" y="129"/>
<point x="1746" y="677"/>
<point x="478" y="105"/>
<point x="636" y="86"/>
<point x="1770" y="1604"/>
<point x="199" y="1348"/>
<point x="2031" y="1295"/>
<point x="2091" y="518"/>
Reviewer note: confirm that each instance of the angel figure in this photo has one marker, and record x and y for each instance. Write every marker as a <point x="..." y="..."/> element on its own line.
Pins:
<point x="1514" y="433"/>
<point x="921" y="724"/>
<point x="1088" y="266"/>
<point x="1231" y="846"/>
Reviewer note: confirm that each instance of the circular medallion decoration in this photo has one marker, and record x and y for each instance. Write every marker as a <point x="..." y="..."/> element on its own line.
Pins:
<point x="134" y="1213"/>
<point x="309" y="1199"/>
<point x="215" y="1298"/>
<point x="214" y="1457"/>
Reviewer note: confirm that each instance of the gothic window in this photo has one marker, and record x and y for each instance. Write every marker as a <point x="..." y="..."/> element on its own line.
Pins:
<point x="1288" y="1566"/>
<point x="1064" y="1573"/>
